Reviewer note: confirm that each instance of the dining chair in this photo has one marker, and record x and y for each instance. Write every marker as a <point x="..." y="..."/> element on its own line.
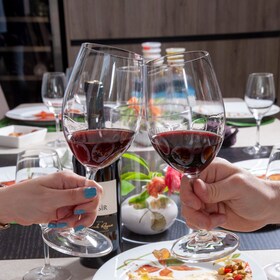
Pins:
<point x="4" y="108"/>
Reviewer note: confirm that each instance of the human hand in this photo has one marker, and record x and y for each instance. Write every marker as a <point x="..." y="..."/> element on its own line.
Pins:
<point x="228" y="196"/>
<point x="58" y="198"/>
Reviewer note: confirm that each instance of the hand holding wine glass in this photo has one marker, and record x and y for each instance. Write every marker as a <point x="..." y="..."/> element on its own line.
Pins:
<point x="32" y="164"/>
<point x="273" y="173"/>
<point x="102" y="110"/>
<point x="259" y="97"/>
<point x="53" y="88"/>
<point x="186" y="122"/>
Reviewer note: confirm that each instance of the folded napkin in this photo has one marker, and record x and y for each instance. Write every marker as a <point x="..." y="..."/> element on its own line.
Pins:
<point x="230" y="136"/>
<point x="65" y="156"/>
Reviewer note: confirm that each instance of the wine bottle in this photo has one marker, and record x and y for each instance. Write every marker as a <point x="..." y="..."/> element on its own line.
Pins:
<point x="108" y="221"/>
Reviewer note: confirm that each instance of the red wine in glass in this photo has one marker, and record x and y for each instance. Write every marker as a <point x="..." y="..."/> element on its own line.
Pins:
<point x="187" y="151"/>
<point x="101" y="147"/>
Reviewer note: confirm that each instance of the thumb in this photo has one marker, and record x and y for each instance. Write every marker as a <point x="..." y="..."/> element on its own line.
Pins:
<point x="213" y="192"/>
<point x="71" y="197"/>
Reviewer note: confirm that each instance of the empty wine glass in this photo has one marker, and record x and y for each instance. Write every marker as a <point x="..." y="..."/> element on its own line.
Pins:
<point x="53" y="88"/>
<point x="186" y="125"/>
<point x="32" y="164"/>
<point x="259" y="97"/>
<point x="273" y="173"/>
<point x="102" y="110"/>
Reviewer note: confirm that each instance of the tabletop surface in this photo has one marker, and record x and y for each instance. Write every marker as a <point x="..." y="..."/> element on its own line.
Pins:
<point x="22" y="247"/>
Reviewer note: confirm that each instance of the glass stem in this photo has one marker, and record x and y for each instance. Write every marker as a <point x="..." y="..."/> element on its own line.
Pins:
<point x="57" y="123"/>
<point x="202" y="235"/>
<point x="90" y="174"/>
<point x="257" y="145"/>
<point x="47" y="266"/>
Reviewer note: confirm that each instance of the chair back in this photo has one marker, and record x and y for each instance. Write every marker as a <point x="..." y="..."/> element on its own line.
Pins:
<point x="4" y="108"/>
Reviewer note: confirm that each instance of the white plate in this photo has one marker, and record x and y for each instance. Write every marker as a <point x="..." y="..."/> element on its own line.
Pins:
<point x="129" y="261"/>
<point x="27" y="114"/>
<point x="255" y="166"/>
<point x="7" y="173"/>
<point x="239" y="110"/>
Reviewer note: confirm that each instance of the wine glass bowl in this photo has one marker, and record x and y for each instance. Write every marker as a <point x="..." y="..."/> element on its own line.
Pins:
<point x="102" y="111"/>
<point x="259" y="97"/>
<point x="186" y="125"/>
<point x="52" y="91"/>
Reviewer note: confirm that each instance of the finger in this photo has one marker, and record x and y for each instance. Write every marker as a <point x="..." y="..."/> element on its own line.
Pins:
<point x="85" y="220"/>
<point x="226" y="189"/>
<point x="187" y="195"/>
<point x="213" y="172"/>
<point x="76" y="196"/>
<point x="202" y="220"/>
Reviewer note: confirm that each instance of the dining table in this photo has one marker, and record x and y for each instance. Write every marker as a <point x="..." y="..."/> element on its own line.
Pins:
<point x="21" y="247"/>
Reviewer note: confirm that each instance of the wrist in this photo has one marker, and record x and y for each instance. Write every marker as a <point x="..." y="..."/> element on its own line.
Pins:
<point x="275" y="205"/>
<point x="5" y="207"/>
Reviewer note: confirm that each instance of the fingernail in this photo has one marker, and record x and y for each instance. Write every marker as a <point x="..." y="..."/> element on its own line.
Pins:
<point x="79" y="211"/>
<point x="61" y="225"/>
<point x="52" y="225"/>
<point x="78" y="228"/>
<point x="90" y="192"/>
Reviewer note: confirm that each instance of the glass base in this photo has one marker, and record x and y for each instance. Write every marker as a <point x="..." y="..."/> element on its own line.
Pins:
<point x="58" y="143"/>
<point x="256" y="150"/>
<point x="273" y="271"/>
<point x="51" y="273"/>
<point x="205" y="246"/>
<point x="84" y="243"/>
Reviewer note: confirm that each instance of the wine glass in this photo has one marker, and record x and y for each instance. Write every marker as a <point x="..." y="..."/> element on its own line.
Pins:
<point x="32" y="164"/>
<point x="273" y="173"/>
<point x="186" y="124"/>
<point x="102" y="110"/>
<point x="53" y="88"/>
<point x="259" y="97"/>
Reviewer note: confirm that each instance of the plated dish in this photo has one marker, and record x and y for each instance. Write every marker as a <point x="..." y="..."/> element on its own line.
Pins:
<point x="31" y="114"/>
<point x="153" y="260"/>
<point x="255" y="166"/>
<point x="238" y="110"/>
<point x="7" y="174"/>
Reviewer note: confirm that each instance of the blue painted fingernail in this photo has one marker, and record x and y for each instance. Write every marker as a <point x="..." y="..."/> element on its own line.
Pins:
<point x="90" y="192"/>
<point x="78" y="228"/>
<point x="52" y="225"/>
<point x="79" y="211"/>
<point x="61" y="225"/>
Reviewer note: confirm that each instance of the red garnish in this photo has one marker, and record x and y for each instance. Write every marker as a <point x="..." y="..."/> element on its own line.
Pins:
<point x="147" y="268"/>
<point x="44" y="115"/>
<point x="8" y="183"/>
<point x="227" y="270"/>
<point x="238" y="277"/>
<point x="166" y="272"/>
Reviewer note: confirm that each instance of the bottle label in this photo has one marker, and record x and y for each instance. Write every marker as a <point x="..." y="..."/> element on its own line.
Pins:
<point x="108" y="204"/>
<point x="106" y="221"/>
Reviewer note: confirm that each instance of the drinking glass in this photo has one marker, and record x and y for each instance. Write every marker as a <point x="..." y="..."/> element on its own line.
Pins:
<point x="273" y="173"/>
<point x="53" y="88"/>
<point x="186" y="124"/>
<point x="32" y="164"/>
<point x="102" y="110"/>
<point x="259" y="97"/>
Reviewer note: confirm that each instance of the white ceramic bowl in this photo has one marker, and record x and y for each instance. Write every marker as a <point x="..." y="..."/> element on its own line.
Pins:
<point x="18" y="136"/>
